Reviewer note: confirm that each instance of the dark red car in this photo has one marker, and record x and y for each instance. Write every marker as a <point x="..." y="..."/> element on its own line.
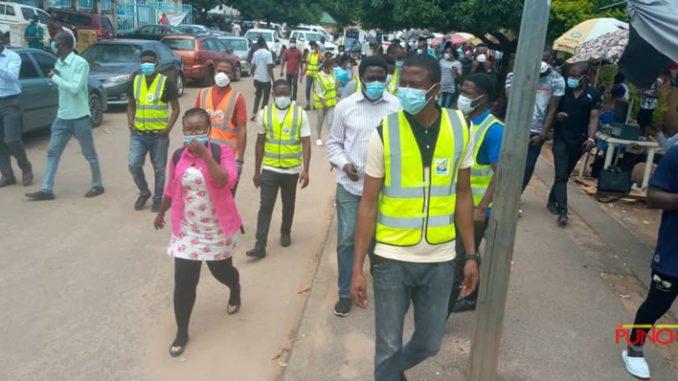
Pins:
<point x="200" y="55"/>
<point x="76" y="20"/>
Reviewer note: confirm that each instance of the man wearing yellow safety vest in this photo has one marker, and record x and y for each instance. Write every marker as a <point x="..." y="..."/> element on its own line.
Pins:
<point x="150" y="123"/>
<point x="417" y="189"/>
<point x="312" y="61"/>
<point x="475" y="92"/>
<point x="324" y="97"/>
<point x="398" y="53"/>
<point x="284" y="147"/>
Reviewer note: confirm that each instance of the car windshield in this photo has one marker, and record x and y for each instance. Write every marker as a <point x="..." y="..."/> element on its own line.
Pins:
<point x="255" y="35"/>
<point x="314" y="36"/>
<point x="112" y="53"/>
<point x="235" y="44"/>
<point x="180" y="43"/>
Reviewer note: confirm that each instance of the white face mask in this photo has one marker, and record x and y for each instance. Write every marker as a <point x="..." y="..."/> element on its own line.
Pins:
<point x="419" y="51"/>
<point x="293" y="45"/>
<point x="221" y="79"/>
<point x="465" y="104"/>
<point x="447" y="56"/>
<point x="282" y="102"/>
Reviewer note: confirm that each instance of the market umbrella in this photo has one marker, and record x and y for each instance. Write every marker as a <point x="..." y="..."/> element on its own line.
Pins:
<point x="607" y="48"/>
<point x="586" y="31"/>
<point x="458" y="39"/>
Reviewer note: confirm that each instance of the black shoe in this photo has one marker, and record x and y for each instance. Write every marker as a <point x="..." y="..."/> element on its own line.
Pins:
<point x="343" y="307"/>
<point x="562" y="219"/>
<point x="155" y="208"/>
<point x="95" y="191"/>
<point x="178" y="346"/>
<point x="141" y="201"/>
<point x="285" y="240"/>
<point x="553" y="208"/>
<point x="40" y="196"/>
<point x="27" y="177"/>
<point x="256" y="253"/>
<point x="7" y="180"/>
<point x="464" y="305"/>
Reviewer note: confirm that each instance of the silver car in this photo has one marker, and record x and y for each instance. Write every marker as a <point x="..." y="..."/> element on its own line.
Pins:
<point x="239" y="46"/>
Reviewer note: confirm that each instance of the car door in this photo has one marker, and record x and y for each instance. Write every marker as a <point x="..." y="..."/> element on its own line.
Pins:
<point x="212" y="51"/>
<point x="39" y="97"/>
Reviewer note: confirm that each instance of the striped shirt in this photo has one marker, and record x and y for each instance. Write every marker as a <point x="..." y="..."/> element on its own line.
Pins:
<point x="355" y="119"/>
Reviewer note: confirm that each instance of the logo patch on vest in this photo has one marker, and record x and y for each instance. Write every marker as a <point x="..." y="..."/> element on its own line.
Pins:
<point x="149" y="97"/>
<point x="286" y="130"/>
<point x="218" y="114"/>
<point x="442" y="167"/>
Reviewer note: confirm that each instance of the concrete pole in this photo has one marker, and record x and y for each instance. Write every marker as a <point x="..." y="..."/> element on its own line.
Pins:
<point x="496" y="264"/>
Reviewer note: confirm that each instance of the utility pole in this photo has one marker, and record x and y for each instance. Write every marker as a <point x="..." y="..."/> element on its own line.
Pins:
<point x="496" y="264"/>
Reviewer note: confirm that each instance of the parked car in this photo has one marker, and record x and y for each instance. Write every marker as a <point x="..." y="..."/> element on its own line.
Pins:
<point x="199" y="55"/>
<point x="152" y="32"/>
<point x="239" y="46"/>
<point x="316" y="29"/>
<point x="76" y="20"/>
<point x="304" y="38"/>
<point x="276" y="44"/>
<point x="114" y="62"/>
<point x="352" y="47"/>
<point x="200" y="30"/>
<point x="17" y="13"/>
<point x="39" y="98"/>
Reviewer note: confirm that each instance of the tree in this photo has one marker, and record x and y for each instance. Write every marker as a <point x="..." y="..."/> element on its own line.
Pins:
<point x="567" y="13"/>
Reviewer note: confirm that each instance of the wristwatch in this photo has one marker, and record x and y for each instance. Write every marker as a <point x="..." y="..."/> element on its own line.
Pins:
<point x="474" y="256"/>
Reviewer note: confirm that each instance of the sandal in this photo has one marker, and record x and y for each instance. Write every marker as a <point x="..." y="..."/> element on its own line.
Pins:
<point x="176" y="350"/>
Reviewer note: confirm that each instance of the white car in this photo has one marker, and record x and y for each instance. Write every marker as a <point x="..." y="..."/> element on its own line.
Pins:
<point x="316" y="29"/>
<point x="17" y="13"/>
<point x="304" y="38"/>
<point x="276" y="44"/>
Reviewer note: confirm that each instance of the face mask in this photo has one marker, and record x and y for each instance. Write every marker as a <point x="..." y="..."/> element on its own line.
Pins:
<point x="293" y="46"/>
<point x="374" y="90"/>
<point x="573" y="83"/>
<point x="54" y="48"/>
<point x="148" y="68"/>
<point x="201" y="138"/>
<point x="447" y="56"/>
<point x="481" y="58"/>
<point x="419" y="51"/>
<point x="412" y="100"/>
<point x="465" y="104"/>
<point x="221" y="79"/>
<point x="282" y="102"/>
<point x="399" y="64"/>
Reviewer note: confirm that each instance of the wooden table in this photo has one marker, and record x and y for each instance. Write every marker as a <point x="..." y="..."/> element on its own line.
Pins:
<point x="613" y="142"/>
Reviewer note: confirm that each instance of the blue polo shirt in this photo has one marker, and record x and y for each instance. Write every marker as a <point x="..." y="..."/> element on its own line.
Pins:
<point x="665" y="259"/>
<point x="490" y="150"/>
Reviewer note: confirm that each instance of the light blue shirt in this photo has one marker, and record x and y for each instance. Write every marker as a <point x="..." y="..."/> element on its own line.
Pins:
<point x="10" y="64"/>
<point x="72" y="84"/>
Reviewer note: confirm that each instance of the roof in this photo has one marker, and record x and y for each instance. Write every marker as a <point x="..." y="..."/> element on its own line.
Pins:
<point x="124" y="41"/>
<point x="327" y="18"/>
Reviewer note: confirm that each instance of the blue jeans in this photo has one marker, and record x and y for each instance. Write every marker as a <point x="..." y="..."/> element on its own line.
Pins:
<point x="62" y="130"/>
<point x="347" y="219"/>
<point x="446" y="99"/>
<point x="428" y="287"/>
<point x="156" y="147"/>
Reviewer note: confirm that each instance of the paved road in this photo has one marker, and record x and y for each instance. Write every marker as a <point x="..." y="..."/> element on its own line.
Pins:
<point x="86" y="287"/>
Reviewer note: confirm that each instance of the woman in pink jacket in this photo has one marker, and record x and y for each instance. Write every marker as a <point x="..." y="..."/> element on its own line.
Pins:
<point x="205" y="221"/>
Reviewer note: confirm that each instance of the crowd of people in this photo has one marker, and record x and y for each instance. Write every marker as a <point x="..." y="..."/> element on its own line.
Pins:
<point x="414" y="140"/>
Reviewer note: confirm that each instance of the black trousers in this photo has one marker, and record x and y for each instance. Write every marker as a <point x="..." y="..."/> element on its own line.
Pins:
<point x="533" y="152"/>
<point x="270" y="183"/>
<point x="11" y="129"/>
<point x="645" y="119"/>
<point x="662" y="294"/>
<point x="262" y="88"/>
<point x="293" y="80"/>
<point x="186" y="276"/>
<point x="479" y="234"/>
<point x="566" y="154"/>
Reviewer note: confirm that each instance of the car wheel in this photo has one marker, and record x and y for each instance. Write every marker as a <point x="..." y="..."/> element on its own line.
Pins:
<point x="96" y="108"/>
<point x="209" y="77"/>
<point x="180" y="84"/>
<point x="238" y="73"/>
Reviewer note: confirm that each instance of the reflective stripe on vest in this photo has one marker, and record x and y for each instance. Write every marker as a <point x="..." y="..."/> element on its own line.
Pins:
<point x="328" y="84"/>
<point x="223" y="130"/>
<point x="283" y="138"/>
<point x="403" y="212"/>
<point x="313" y="64"/>
<point x="481" y="175"/>
<point x="152" y="114"/>
<point x="395" y="80"/>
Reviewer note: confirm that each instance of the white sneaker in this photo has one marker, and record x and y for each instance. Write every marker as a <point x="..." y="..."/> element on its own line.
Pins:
<point x="637" y="366"/>
<point x="319" y="142"/>
<point x="520" y="213"/>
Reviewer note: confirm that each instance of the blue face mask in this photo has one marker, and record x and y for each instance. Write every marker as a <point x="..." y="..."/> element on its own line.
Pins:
<point x="342" y="75"/>
<point x="573" y="83"/>
<point x="374" y="90"/>
<point x="412" y="100"/>
<point x="202" y="138"/>
<point x="399" y="64"/>
<point x="147" y="68"/>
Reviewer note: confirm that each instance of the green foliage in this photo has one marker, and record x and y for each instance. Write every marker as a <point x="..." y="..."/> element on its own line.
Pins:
<point x="567" y="13"/>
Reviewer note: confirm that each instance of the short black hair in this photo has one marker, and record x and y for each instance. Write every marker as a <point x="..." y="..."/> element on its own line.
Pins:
<point x="370" y="61"/>
<point x="65" y="38"/>
<point x="313" y="43"/>
<point x="280" y="82"/>
<point x="389" y="60"/>
<point x="199" y="113"/>
<point x="619" y="78"/>
<point x="149" y="53"/>
<point x="427" y="62"/>
<point x="482" y="81"/>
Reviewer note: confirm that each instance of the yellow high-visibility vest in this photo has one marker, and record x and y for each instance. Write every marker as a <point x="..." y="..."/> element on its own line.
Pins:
<point x="329" y="87"/>
<point x="283" y="138"/>
<point x="481" y="175"/>
<point x="313" y="64"/>
<point x="404" y="216"/>
<point x="392" y="86"/>
<point x="152" y="114"/>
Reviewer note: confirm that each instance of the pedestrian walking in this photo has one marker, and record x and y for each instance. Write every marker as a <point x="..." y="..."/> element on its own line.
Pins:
<point x="450" y="71"/>
<point x="399" y="54"/>
<point x="662" y="194"/>
<point x="292" y="60"/>
<point x="342" y="72"/>
<point x="284" y="148"/>
<point x="577" y="122"/>
<point x="228" y="113"/>
<point x="150" y="122"/>
<point x="649" y="100"/>
<point x="262" y="67"/>
<point x="415" y="251"/>
<point x="205" y="220"/>
<point x="312" y="62"/>
<point x="11" y="120"/>
<point x="355" y="120"/>
<point x="475" y="95"/>
<point x="35" y="34"/>
<point x="70" y="75"/>
<point x="321" y="45"/>
<point x="54" y="27"/>
<point x="324" y="97"/>
<point x="163" y="20"/>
